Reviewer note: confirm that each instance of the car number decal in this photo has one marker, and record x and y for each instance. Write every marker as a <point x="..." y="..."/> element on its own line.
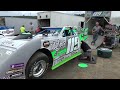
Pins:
<point x="73" y="44"/>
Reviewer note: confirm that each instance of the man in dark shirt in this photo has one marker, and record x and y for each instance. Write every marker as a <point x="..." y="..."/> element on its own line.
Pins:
<point x="86" y="51"/>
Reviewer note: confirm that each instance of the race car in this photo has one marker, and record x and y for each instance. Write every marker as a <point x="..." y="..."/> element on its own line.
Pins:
<point x="6" y="31"/>
<point x="83" y="33"/>
<point x="30" y="58"/>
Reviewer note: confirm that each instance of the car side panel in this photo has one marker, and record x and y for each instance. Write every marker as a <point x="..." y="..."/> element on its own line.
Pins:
<point x="21" y="55"/>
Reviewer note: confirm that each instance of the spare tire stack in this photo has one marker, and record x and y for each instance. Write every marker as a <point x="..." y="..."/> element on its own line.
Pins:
<point x="104" y="52"/>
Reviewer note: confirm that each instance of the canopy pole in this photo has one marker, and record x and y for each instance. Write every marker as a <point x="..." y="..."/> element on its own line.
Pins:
<point x="106" y="20"/>
<point x="88" y="20"/>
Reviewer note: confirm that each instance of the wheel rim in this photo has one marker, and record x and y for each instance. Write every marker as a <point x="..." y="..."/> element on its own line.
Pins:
<point x="39" y="68"/>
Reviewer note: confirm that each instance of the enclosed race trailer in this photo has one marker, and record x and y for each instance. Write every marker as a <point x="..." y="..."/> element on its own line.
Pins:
<point x="57" y="19"/>
<point x="103" y="17"/>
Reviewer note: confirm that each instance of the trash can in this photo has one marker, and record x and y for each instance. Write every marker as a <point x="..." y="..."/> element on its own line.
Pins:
<point x="104" y="52"/>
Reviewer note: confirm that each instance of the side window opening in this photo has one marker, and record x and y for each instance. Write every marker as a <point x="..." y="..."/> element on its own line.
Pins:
<point x="68" y="32"/>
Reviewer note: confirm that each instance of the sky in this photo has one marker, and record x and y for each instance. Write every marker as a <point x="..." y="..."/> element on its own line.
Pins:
<point x="34" y="13"/>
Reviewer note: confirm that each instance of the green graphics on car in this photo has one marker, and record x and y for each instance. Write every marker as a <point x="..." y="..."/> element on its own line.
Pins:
<point x="84" y="34"/>
<point x="70" y="51"/>
<point x="56" y="54"/>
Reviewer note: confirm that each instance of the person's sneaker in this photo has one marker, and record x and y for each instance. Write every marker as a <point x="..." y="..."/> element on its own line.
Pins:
<point x="92" y="44"/>
<point x="93" y="61"/>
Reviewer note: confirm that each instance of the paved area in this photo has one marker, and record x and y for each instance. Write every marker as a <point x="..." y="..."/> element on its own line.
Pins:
<point x="98" y="42"/>
<point x="103" y="69"/>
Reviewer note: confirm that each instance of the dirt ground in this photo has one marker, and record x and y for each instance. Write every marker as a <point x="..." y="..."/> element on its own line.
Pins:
<point x="103" y="69"/>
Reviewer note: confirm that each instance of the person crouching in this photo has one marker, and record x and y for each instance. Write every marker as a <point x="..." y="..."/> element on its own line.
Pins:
<point x="87" y="52"/>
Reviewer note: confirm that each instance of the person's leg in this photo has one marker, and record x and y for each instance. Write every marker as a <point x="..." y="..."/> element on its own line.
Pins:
<point x="112" y="40"/>
<point x="83" y="56"/>
<point x="96" y="37"/>
<point x="93" y="39"/>
<point x="89" y="54"/>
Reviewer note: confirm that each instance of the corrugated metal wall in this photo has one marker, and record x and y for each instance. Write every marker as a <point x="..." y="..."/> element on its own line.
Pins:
<point x="18" y="22"/>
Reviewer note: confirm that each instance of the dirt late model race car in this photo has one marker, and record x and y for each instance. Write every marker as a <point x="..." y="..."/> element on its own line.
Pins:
<point x="31" y="58"/>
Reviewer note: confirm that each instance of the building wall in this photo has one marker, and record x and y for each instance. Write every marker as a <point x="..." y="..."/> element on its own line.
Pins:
<point x="115" y="20"/>
<point x="2" y="21"/>
<point x="60" y="19"/>
<point x="42" y="15"/>
<point x="18" y="22"/>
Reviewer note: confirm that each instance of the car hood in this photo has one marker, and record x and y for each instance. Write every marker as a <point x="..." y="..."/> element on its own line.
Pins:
<point x="9" y="43"/>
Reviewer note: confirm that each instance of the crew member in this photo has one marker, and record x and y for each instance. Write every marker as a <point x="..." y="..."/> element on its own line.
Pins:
<point x="22" y="29"/>
<point x="95" y="32"/>
<point x="87" y="52"/>
<point x="31" y="28"/>
<point x="37" y="30"/>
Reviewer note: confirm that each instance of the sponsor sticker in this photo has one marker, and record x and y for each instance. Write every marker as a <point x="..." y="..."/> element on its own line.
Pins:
<point x="14" y="71"/>
<point x="46" y="44"/>
<point x="16" y="75"/>
<point x="7" y="77"/>
<point x="19" y="65"/>
<point x="9" y="52"/>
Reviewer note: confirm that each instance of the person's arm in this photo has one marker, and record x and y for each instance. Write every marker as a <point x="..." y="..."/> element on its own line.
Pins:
<point x="101" y="29"/>
<point x="113" y="29"/>
<point x="93" y="30"/>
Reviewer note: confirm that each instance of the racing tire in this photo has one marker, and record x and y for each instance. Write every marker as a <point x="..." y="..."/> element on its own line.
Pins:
<point x="104" y="53"/>
<point x="37" y="66"/>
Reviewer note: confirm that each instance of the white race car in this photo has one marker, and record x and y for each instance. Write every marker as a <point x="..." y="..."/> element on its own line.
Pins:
<point x="6" y="31"/>
<point x="30" y="58"/>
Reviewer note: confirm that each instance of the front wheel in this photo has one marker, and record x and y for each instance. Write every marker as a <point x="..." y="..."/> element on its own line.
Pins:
<point x="37" y="66"/>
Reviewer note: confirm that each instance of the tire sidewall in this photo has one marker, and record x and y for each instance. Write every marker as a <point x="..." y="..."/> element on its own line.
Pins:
<point x="33" y="62"/>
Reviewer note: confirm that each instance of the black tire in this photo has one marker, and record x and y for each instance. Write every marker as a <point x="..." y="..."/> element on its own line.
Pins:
<point x="104" y="53"/>
<point x="38" y="57"/>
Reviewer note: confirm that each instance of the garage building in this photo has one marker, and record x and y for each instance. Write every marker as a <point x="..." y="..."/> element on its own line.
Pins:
<point x="17" y="22"/>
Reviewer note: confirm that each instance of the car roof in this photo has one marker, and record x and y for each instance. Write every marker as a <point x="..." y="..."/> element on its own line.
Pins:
<point x="3" y="28"/>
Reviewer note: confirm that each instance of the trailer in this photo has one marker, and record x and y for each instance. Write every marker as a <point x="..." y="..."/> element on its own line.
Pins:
<point x="103" y="17"/>
<point x="57" y="19"/>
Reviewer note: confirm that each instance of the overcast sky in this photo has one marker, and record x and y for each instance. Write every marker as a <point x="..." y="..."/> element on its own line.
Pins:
<point x="34" y="13"/>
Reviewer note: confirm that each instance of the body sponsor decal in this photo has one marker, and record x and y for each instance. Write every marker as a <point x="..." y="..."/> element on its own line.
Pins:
<point x="14" y="71"/>
<point x="18" y="65"/>
<point x="58" y="44"/>
<point x="6" y="77"/>
<point x="64" y="57"/>
<point x="17" y="74"/>
<point x="65" y="60"/>
<point x="46" y="44"/>
<point x="57" y="54"/>
<point x="73" y="46"/>
<point x="58" y="48"/>
<point x="8" y="52"/>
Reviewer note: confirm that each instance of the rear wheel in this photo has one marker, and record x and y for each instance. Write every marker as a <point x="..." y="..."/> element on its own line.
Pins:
<point x="37" y="66"/>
